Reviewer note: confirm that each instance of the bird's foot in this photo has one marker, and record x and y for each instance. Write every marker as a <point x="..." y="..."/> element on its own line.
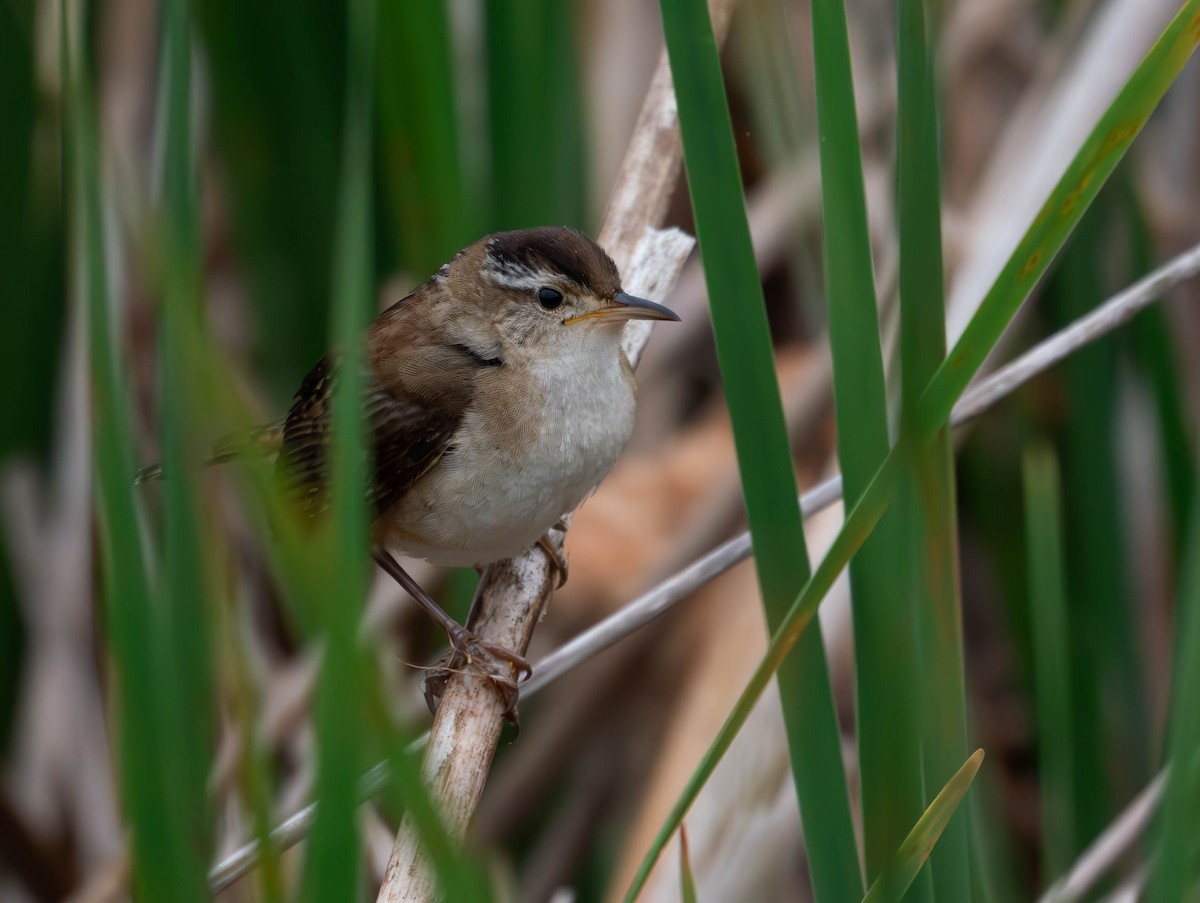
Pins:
<point x="558" y="560"/>
<point x="505" y="669"/>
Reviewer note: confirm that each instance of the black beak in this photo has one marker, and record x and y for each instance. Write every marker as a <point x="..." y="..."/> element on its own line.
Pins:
<point x="631" y="308"/>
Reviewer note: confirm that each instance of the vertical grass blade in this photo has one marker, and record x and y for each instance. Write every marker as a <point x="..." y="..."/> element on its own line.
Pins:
<point x="1174" y="870"/>
<point x="183" y="647"/>
<point x="768" y="481"/>
<point x="419" y="135"/>
<point x="926" y="508"/>
<point x="31" y="259"/>
<point x="1111" y="752"/>
<point x="885" y="637"/>
<point x="162" y="868"/>
<point x="1051" y="658"/>
<point x="535" y="114"/>
<point x="254" y="772"/>
<point x="332" y="864"/>
<point x="1097" y="158"/>
<point x="1155" y="355"/>
<point x="276" y="71"/>
<point x="898" y="875"/>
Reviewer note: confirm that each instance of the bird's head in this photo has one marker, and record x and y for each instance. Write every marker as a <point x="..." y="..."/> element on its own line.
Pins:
<point x="542" y="292"/>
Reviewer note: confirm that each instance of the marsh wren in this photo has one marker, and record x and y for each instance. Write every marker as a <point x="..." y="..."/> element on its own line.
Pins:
<point x="497" y="398"/>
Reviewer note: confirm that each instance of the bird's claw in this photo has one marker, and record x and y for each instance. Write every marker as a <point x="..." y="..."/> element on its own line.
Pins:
<point x="505" y="669"/>
<point x="558" y="560"/>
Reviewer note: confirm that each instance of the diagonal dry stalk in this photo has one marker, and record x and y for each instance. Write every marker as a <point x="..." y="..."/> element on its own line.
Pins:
<point x="1113" y="843"/>
<point x="514" y="593"/>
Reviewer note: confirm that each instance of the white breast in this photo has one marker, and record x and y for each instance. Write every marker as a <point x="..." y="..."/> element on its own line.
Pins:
<point x="490" y="497"/>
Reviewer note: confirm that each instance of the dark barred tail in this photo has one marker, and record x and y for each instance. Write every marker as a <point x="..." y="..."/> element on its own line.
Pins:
<point x="266" y="440"/>
<point x="147" y="473"/>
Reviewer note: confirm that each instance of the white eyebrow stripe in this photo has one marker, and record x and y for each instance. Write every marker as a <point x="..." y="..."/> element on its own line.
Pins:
<point x="512" y="275"/>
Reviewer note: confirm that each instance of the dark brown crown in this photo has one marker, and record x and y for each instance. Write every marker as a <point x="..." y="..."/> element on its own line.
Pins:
<point x="555" y="249"/>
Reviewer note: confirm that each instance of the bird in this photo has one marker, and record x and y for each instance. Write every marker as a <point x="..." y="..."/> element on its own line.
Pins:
<point x="497" y="397"/>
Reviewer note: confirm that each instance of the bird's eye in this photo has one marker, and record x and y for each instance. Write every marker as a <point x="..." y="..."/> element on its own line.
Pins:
<point x="549" y="298"/>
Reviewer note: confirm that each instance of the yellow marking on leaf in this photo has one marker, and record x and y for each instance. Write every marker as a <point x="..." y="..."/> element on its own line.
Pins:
<point x="1029" y="266"/>
<point x="1193" y="29"/>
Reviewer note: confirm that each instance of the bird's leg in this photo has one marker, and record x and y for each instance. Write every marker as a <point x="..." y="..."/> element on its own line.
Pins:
<point x="558" y="560"/>
<point x="475" y="612"/>
<point x="385" y="560"/>
<point x="486" y="659"/>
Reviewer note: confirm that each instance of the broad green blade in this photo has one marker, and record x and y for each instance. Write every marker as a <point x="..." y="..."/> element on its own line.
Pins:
<point x="32" y="253"/>
<point x="1156" y="355"/>
<point x="885" y="636"/>
<point x="895" y="879"/>
<point x="277" y="77"/>
<point x="332" y="871"/>
<point x="764" y="459"/>
<point x="1051" y="659"/>
<point x="997" y="874"/>
<point x="535" y="114"/>
<point x="419" y="136"/>
<point x="1143" y="91"/>
<point x="1108" y="700"/>
<point x="926" y="507"/>
<point x="1174" y="869"/>
<point x="254" y="770"/>
<point x="184" y="670"/>
<point x="163" y="867"/>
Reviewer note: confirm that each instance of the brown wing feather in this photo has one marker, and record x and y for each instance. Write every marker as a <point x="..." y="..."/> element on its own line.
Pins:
<point x="408" y="436"/>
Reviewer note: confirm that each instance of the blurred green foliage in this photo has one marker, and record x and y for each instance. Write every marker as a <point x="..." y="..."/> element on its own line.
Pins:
<point x="277" y="71"/>
<point x="32" y="290"/>
<point x="535" y="115"/>
<point x="475" y="129"/>
<point x="1109" y="700"/>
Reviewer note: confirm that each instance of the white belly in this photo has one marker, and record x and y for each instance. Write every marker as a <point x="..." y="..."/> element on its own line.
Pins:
<point x="486" y="500"/>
